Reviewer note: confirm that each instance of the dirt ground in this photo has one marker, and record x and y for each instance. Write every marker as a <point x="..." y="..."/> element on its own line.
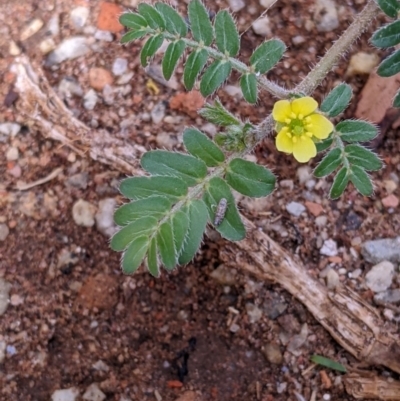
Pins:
<point x="75" y="320"/>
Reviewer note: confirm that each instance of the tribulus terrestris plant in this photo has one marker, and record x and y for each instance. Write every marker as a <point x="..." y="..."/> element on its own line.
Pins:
<point x="165" y="219"/>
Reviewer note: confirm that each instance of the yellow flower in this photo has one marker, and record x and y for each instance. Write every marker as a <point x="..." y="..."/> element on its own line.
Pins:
<point x="298" y="125"/>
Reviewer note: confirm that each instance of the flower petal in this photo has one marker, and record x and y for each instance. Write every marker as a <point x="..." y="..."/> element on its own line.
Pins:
<point x="281" y="110"/>
<point x="321" y="127"/>
<point x="304" y="105"/>
<point x="304" y="149"/>
<point x="284" y="143"/>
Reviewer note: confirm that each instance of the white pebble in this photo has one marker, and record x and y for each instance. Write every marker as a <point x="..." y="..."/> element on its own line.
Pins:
<point x="119" y="66"/>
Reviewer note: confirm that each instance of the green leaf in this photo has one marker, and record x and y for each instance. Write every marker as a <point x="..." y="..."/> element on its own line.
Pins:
<point x="174" y="23"/>
<point x="180" y="227"/>
<point x="328" y="363"/>
<point x="133" y="21"/>
<point x="324" y="144"/>
<point x="361" y="181"/>
<point x="249" y="178"/>
<point x="200" y="23"/>
<point x="144" y="187"/>
<point x="267" y="55"/>
<point x="197" y="212"/>
<point x="152" y="259"/>
<point x="248" y="84"/>
<point x="133" y="35"/>
<point x="166" y="247"/>
<point x="217" y="114"/>
<point x="226" y="35"/>
<point x="337" y="100"/>
<point x="389" y="7"/>
<point x="152" y="16"/>
<point x="231" y="227"/>
<point x="193" y="66"/>
<point x="150" y="47"/>
<point x="203" y="148"/>
<point x="387" y="36"/>
<point x="356" y="131"/>
<point x="134" y="255"/>
<point x="339" y="183"/>
<point x="361" y="157"/>
<point x="214" y="76"/>
<point x="126" y="235"/>
<point x="396" y="100"/>
<point x="390" y="66"/>
<point x="329" y="163"/>
<point x="172" y="54"/>
<point x="187" y="168"/>
<point x="155" y="206"/>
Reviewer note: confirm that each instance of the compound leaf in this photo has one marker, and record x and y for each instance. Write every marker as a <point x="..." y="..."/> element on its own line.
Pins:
<point x="249" y="178"/>
<point x="362" y="157"/>
<point x="339" y="183"/>
<point x="203" y="148"/>
<point x="226" y="35"/>
<point x="171" y="57"/>
<point x="193" y="66"/>
<point x="180" y="226"/>
<point x="133" y="21"/>
<point x="387" y="36"/>
<point x="134" y="255"/>
<point x="217" y="114"/>
<point x="361" y="181"/>
<point x="133" y="35"/>
<point x="248" y="84"/>
<point x="200" y="23"/>
<point x="337" y="100"/>
<point x="152" y="259"/>
<point x="389" y="7"/>
<point x="166" y="246"/>
<point x="324" y="144"/>
<point x="390" y="66"/>
<point x="186" y="167"/>
<point x="150" y="47"/>
<point x="174" y="23"/>
<point x="214" y="76"/>
<point x="329" y="163"/>
<point x="154" y="19"/>
<point x="267" y="55"/>
<point x="356" y="131"/>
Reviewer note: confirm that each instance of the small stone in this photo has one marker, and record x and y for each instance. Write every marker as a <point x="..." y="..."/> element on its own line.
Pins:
<point x="298" y="40"/>
<point x="236" y="5"/>
<point x="16" y="300"/>
<point x="83" y="213"/>
<point x="12" y="153"/>
<point x="104" y="36"/>
<point x="362" y="63"/>
<point x="90" y="99"/>
<point x="390" y="186"/>
<point x="108" y="17"/>
<point x="93" y="393"/>
<point x="99" y="78"/>
<point x="321" y="221"/>
<point x="187" y="396"/>
<point x="314" y="208"/>
<point x="108" y="95"/>
<point x="10" y="129"/>
<point x="253" y="312"/>
<point x="272" y="353"/>
<point x="329" y="248"/>
<point x="105" y="217"/>
<point x="298" y="340"/>
<point x="53" y="26"/>
<point x="267" y="3"/>
<point x="79" y="180"/>
<point x="101" y="366"/>
<point x="4" y="231"/>
<point x="224" y="275"/>
<point x="234" y="328"/>
<point x="295" y="208"/>
<point x="389" y="296"/>
<point x="15" y="171"/>
<point x="274" y="308"/>
<point x="33" y="27"/>
<point x="5" y="288"/>
<point x="158" y="113"/>
<point x="47" y="45"/>
<point x="13" y="49"/>
<point x="289" y="184"/>
<point x="119" y="66"/>
<point x="304" y="173"/>
<point x="68" y="394"/>
<point x="166" y="140"/>
<point x="390" y="201"/>
<point x="262" y="26"/>
<point x="325" y="15"/>
<point x="376" y="251"/>
<point x="332" y="279"/>
<point x="3" y="347"/>
<point x="79" y="16"/>
<point x="68" y="49"/>
<point x="69" y="87"/>
<point x="380" y="277"/>
<point x="125" y="78"/>
<point x="355" y="273"/>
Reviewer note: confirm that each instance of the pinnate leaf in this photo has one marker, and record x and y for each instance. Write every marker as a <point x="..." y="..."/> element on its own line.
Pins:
<point x="248" y="84"/>
<point x="150" y="47"/>
<point x="174" y="23"/>
<point x="214" y="76"/>
<point x="249" y="178"/>
<point x="339" y="183"/>
<point x="200" y="23"/>
<point x="231" y="227"/>
<point x="362" y="157"/>
<point x="267" y="55"/>
<point x="171" y="57"/>
<point x="389" y="7"/>
<point x="361" y="181"/>
<point x="217" y="114"/>
<point x="337" y="100"/>
<point x="133" y="21"/>
<point x="203" y="148"/>
<point x="356" y="131"/>
<point x="387" y="36"/>
<point x="187" y="168"/>
<point x="329" y="163"/>
<point x="166" y="246"/>
<point x="324" y="144"/>
<point x="154" y="19"/>
<point x="180" y="226"/>
<point x="226" y="35"/>
<point x="152" y="259"/>
<point x="133" y="35"/>
<point x="193" y="66"/>
<point x="390" y="66"/>
<point x="134" y="255"/>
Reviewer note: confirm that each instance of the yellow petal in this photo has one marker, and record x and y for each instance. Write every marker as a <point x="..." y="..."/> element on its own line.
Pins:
<point x="304" y="149"/>
<point x="283" y="142"/>
<point x="320" y="126"/>
<point x="281" y="110"/>
<point x="304" y="105"/>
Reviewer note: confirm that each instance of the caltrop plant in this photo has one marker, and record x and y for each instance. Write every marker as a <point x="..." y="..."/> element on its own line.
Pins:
<point x="168" y="210"/>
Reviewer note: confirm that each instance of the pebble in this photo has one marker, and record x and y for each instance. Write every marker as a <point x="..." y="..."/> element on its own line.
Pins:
<point x="332" y="279"/>
<point x="389" y="296"/>
<point x="274" y="307"/>
<point x="68" y="49"/>
<point x="108" y="17"/>
<point x="234" y="328"/>
<point x="16" y="300"/>
<point x="298" y="340"/>
<point x="68" y="394"/>
<point x="125" y="78"/>
<point x="390" y="201"/>
<point x="224" y="275"/>
<point x="321" y="221"/>
<point x="68" y="87"/>
<point x="236" y="5"/>
<point x="53" y="26"/>
<point x="272" y="353"/>
<point x="99" y="78"/>
<point x="10" y="129"/>
<point x="380" y="277"/>
<point x="355" y="273"/>
<point x="158" y="113"/>
<point x="4" y="231"/>
<point x="376" y="251"/>
<point x="33" y="27"/>
<point x="105" y="217"/>
<point x="101" y="366"/>
<point x="295" y="208"/>
<point x="253" y="312"/>
<point x="262" y="26"/>
<point x="390" y="186"/>
<point x="187" y="396"/>
<point x="11" y="350"/>
<point x="79" y="16"/>
<point x="119" y="66"/>
<point x="166" y="140"/>
<point x="362" y="63"/>
<point x="289" y="184"/>
<point x="83" y="213"/>
<point x="90" y="99"/>
<point x="314" y="208"/>
<point x="5" y="288"/>
<point x="93" y="393"/>
<point x="325" y="15"/>
<point x="329" y="248"/>
<point x="3" y="346"/>
<point x="12" y="153"/>
<point x="304" y="173"/>
<point x="108" y="95"/>
<point x="13" y="49"/>
<point x="298" y="40"/>
<point x="79" y="180"/>
<point x="267" y="3"/>
<point x="47" y="45"/>
<point x="104" y="36"/>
